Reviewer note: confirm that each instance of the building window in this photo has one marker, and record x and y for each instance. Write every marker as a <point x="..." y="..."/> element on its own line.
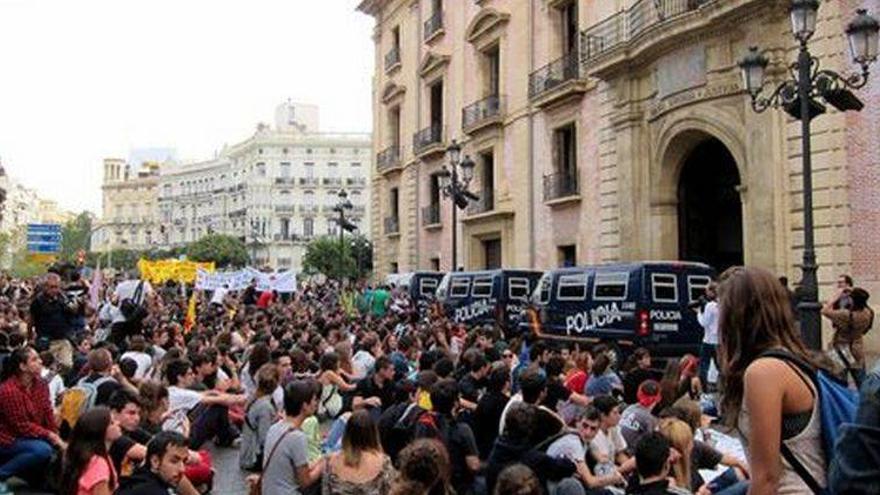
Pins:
<point x="261" y="169"/>
<point x="435" y="264"/>
<point x="565" y="150"/>
<point x="493" y="71"/>
<point x="568" y="255"/>
<point x="394" y="268"/>
<point x="436" y="110"/>
<point x="487" y="161"/>
<point x="394" y="204"/>
<point x="284" y="170"/>
<point x="332" y="169"/>
<point x="310" y="170"/>
<point x="394" y="127"/>
<point x="285" y="228"/>
<point x="308" y="227"/>
<point x="569" y="18"/>
<point x="492" y="252"/>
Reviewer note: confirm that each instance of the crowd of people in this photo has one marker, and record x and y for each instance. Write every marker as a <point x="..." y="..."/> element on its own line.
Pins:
<point x="352" y="389"/>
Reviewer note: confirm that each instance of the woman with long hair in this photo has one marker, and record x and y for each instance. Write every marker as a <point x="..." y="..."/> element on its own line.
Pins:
<point x="87" y="468"/>
<point x="361" y="467"/>
<point x="259" y="414"/>
<point x="681" y="437"/>
<point x="424" y="469"/>
<point x="332" y="383"/>
<point x="770" y="400"/>
<point x="679" y="380"/>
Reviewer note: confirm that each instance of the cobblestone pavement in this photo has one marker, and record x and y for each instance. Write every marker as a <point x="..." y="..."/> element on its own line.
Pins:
<point x="228" y="478"/>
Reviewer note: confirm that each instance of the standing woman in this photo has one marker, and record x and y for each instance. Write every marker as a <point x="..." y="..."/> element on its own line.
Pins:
<point x="88" y="469"/>
<point x="770" y="400"/>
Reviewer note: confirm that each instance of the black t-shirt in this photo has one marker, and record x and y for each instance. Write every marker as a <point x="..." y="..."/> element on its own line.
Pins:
<point x="460" y="442"/>
<point x="469" y="388"/>
<point x="367" y="388"/>
<point x="556" y="392"/>
<point x="546" y="425"/>
<point x="703" y="456"/>
<point x="118" y="451"/>
<point x="486" y="419"/>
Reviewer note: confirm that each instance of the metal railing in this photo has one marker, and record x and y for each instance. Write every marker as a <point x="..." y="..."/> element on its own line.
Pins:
<point x="560" y="185"/>
<point x="285" y="180"/>
<point x="285" y="208"/>
<point x="356" y="181"/>
<point x="431" y="214"/>
<point x="485" y="204"/>
<point x="308" y="181"/>
<point x="433" y="24"/>
<point x="482" y="110"/>
<point x="388" y="158"/>
<point x="561" y="70"/>
<point x="392" y="58"/>
<point x="332" y="181"/>
<point x="392" y="225"/>
<point x="625" y="25"/>
<point x="427" y="137"/>
<point x="308" y="208"/>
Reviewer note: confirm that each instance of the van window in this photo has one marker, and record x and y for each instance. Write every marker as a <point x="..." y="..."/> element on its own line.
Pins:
<point x="572" y="287"/>
<point x="664" y="287"/>
<point x="459" y="287"/>
<point x="542" y="293"/>
<point x="518" y="289"/>
<point x="697" y="286"/>
<point x="427" y="287"/>
<point x="482" y="287"/>
<point x="610" y="286"/>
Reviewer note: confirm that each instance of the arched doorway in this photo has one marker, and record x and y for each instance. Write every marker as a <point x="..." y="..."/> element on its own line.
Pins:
<point x="710" y="223"/>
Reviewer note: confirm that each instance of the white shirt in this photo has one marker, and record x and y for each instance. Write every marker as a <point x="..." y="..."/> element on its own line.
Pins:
<point x="56" y="385"/>
<point x="708" y="319"/>
<point x="143" y="360"/>
<point x="605" y="446"/>
<point x="180" y="402"/>
<point x="219" y="295"/>
<point x="362" y="363"/>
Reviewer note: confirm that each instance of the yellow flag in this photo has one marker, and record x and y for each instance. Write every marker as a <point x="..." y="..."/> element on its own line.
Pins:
<point x="190" y="319"/>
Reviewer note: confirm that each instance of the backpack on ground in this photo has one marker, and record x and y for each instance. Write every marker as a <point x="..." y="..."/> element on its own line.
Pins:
<point x="78" y="399"/>
<point x="837" y="406"/>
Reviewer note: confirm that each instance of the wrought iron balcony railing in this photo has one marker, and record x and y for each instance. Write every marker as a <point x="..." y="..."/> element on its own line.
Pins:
<point x="356" y="181"/>
<point x="433" y="24"/>
<point x="480" y="111"/>
<point x="388" y="158"/>
<point x="431" y="214"/>
<point x="392" y="225"/>
<point x="285" y="208"/>
<point x="625" y="25"/>
<point x="554" y="74"/>
<point x="427" y="137"/>
<point x="308" y="181"/>
<point x="309" y="209"/>
<point x="560" y="185"/>
<point x="392" y="58"/>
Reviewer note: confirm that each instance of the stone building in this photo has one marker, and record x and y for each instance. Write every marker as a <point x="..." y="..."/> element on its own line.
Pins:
<point x="612" y="130"/>
<point x="129" y="217"/>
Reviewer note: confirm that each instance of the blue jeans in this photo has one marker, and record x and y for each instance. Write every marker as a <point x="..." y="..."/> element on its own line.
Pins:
<point x="708" y="352"/>
<point x="24" y="455"/>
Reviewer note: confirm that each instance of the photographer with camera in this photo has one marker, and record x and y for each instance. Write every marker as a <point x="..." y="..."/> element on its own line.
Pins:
<point x="707" y="316"/>
<point x="52" y="314"/>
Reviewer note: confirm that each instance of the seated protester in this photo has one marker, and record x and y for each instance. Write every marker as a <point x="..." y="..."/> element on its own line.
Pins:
<point x="518" y="479"/>
<point x="533" y="389"/>
<point x="28" y="431"/>
<point x="286" y="467"/>
<point x="456" y="435"/>
<point x="87" y="468"/>
<point x="126" y="452"/>
<point x="637" y="370"/>
<point x="608" y="447"/>
<point x="490" y="407"/>
<point x="364" y="359"/>
<point x="260" y="414"/>
<point x="376" y="391"/>
<point x="137" y="351"/>
<point x="680" y="379"/>
<point x="209" y="374"/>
<point x="404" y="356"/>
<point x="638" y="419"/>
<point x="473" y="382"/>
<point x="52" y="376"/>
<point x="397" y="423"/>
<point x="576" y="380"/>
<point x="652" y="461"/>
<point x="696" y="456"/>
<point x="515" y="446"/>
<point x="207" y="411"/>
<point x="103" y="376"/>
<point x="603" y="380"/>
<point x="559" y="397"/>
<point x="163" y="471"/>
<point x="573" y="445"/>
<point x="154" y="406"/>
<point x="333" y="385"/>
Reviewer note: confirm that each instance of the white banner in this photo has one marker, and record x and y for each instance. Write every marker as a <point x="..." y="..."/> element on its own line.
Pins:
<point x="281" y="282"/>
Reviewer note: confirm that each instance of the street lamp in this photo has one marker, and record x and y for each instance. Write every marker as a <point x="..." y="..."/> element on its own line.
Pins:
<point x="454" y="182"/>
<point x="802" y="97"/>
<point x="344" y="205"/>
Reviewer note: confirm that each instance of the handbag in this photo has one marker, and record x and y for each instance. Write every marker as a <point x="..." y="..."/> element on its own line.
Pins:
<point x="131" y="307"/>
<point x="257" y="487"/>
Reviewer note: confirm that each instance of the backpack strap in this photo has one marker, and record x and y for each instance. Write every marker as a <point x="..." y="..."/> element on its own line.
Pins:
<point x="275" y="447"/>
<point x="801" y="470"/>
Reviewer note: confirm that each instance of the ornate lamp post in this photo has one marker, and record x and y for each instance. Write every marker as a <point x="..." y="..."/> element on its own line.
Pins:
<point x="344" y="205"/>
<point x="454" y="182"/>
<point x="801" y="96"/>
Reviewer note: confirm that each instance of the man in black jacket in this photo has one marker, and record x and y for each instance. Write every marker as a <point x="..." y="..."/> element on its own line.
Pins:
<point x="52" y="315"/>
<point x="163" y="471"/>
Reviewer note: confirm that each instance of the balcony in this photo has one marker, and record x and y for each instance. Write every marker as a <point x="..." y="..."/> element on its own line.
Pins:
<point x="392" y="59"/>
<point x="308" y="181"/>
<point x="285" y="181"/>
<point x="431" y="216"/>
<point x="561" y="187"/>
<point x="428" y="141"/>
<point x="356" y="181"/>
<point x="328" y="209"/>
<point x="392" y="226"/>
<point x="434" y="26"/>
<point x="483" y="113"/>
<point x="285" y="208"/>
<point x="608" y="44"/>
<point x="388" y="159"/>
<point x="308" y="209"/>
<point x="485" y="204"/>
<point x="332" y="181"/>
<point x="286" y="237"/>
<point x="557" y="80"/>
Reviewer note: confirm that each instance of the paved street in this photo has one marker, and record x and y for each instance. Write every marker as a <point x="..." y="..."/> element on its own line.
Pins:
<point x="228" y="478"/>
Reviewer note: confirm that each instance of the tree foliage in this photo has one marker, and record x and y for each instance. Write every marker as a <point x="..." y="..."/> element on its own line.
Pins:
<point x="224" y="250"/>
<point x="350" y="259"/>
<point x="76" y="235"/>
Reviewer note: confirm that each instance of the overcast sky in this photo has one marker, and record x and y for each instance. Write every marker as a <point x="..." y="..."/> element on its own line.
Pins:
<point x="81" y="80"/>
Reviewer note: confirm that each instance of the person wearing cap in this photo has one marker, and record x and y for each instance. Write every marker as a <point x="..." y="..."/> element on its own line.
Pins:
<point x="638" y="419"/>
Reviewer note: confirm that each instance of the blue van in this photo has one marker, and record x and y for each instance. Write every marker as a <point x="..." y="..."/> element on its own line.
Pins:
<point x="645" y="304"/>
<point x="487" y="297"/>
<point x="421" y="286"/>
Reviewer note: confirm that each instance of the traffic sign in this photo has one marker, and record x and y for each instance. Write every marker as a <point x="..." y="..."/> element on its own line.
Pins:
<point x="44" y="238"/>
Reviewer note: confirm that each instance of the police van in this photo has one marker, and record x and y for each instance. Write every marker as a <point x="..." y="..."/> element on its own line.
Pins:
<point x="494" y="296"/>
<point x="421" y="286"/>
<point x="624" y="305"/>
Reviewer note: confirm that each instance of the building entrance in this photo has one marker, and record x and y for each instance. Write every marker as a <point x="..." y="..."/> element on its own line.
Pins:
<point x="710" y="221"/>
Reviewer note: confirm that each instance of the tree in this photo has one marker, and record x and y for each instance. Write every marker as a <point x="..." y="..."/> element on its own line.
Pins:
<point x="75" y="236"/>
<point x="224" y="250"/>
<point x="351" y="259"/>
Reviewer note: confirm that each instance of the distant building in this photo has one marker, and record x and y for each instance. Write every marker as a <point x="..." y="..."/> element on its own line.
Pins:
<point x="128" y="211"/>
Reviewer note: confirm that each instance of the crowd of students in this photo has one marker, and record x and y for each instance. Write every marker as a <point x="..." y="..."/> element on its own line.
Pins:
<point x="344" y="389"/>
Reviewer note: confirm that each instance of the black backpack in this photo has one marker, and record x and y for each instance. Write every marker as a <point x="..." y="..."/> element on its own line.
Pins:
<point x="397" y="427"/>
